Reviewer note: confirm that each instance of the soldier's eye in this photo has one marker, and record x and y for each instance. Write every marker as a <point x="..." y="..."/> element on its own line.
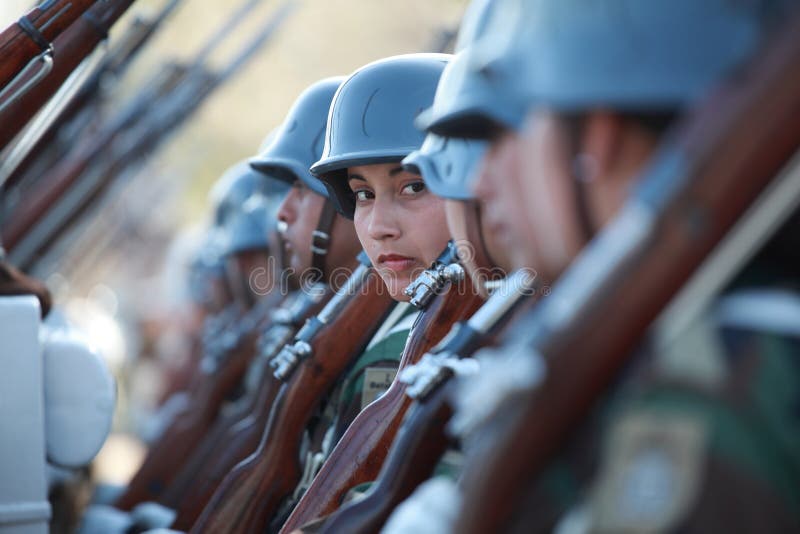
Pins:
<point x="362" y="195"/>
<point x="413" y="188"/>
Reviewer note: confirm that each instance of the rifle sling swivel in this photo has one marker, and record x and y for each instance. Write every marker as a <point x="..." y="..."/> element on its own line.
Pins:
<point x="35" y="35"/>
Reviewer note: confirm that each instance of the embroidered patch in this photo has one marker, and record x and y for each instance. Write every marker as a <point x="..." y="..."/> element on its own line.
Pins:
<point x="651" y="473"/>
<point x="376" y="381"/>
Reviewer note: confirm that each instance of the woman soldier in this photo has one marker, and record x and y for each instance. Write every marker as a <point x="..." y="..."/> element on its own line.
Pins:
<point x="400" y="225"/>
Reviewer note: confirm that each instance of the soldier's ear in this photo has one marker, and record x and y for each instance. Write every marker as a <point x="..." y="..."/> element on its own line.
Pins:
<point x="602" y="137"/>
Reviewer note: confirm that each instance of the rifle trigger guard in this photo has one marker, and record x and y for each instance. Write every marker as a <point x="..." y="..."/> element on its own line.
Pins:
<point x="312" y="466"/>
<point x="8" y="96"/>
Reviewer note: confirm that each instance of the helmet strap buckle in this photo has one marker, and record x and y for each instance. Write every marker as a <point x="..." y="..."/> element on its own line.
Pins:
<point x="320" y="241"/>
<point x="321" y="237"/>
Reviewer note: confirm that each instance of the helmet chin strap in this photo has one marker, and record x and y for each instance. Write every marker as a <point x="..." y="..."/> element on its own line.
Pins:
<point x="585" y="219"/>
<point x="321" y="237"/>
<point x="582" y="171"/>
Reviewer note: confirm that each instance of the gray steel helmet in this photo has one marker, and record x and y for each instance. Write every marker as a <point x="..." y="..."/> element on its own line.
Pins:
<point x="233" y="188"/>
<point x="629" y="55"/>
<point x="371" y="119"/>
<point x="473" y="23"/>
<point x="464" y="99"/>
<point x="249" y="227"/>
<point x="298" y="141"/>
<point x="209" y="256"/>
<point x="447" y="165"/>
<point x="206" y="264"/>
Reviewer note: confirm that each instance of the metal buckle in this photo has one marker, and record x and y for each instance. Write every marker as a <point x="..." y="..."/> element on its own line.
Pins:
<point x="319" y="242"/>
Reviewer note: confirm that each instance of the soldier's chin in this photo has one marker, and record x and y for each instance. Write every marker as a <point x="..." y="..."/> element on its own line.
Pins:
<point x="396" y="284"/>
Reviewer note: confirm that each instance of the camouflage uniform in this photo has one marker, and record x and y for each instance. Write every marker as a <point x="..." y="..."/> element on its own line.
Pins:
<point x="701" y="434"/>
<point x="368" y="378"/>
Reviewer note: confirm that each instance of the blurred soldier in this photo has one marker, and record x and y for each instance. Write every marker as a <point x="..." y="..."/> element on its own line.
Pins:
<point x="317" y="241"/>
<point x="691" y="444"/>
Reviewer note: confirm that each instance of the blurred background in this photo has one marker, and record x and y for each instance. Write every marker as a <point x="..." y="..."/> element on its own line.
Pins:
<point x="120" y="275"/>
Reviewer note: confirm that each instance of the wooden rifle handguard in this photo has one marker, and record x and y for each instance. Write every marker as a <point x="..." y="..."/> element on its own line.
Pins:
<point x="252" y="492"/>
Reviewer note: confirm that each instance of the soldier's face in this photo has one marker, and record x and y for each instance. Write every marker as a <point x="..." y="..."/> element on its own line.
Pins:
<point x="300" y="210"/>
<point x="480" y="254"/>
<point x="400" y="224"/>
<point x="525" y="184"/>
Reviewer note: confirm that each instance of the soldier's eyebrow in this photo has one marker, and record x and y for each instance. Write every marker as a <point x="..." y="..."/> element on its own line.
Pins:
<point x="396" y="170"/>
<point x="356" y="177"/>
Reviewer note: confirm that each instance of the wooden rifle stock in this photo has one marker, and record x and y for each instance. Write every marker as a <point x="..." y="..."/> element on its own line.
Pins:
<point x="414" y="455"/>
<point x="727" y="153"/>
<point x="18" y="48"/>
<point x="360" y="453"/>
<point x="421" y="439"/>
<point x="233" y="438"/>
<point x="69" y="50"/>
<point x="166" y="456"/>
<point x="252" y="492"/>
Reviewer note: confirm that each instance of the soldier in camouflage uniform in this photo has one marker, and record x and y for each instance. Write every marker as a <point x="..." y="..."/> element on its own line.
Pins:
<point x="400" y="225"/>
<point x="322" y="245"/>
<point x="701" y="433"/>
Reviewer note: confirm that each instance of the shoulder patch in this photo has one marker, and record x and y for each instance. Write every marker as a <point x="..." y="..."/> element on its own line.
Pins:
<point x="651" y="473"/>
<point x="376" y="381"/>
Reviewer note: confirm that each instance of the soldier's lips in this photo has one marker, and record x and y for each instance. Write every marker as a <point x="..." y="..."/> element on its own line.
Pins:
<point x="396" y="262"/>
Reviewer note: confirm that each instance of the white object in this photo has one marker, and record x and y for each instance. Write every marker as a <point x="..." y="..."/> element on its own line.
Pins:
<point x="79" y="394"/>
<point x="23" y="492"/>
<point x="432" y="509"/>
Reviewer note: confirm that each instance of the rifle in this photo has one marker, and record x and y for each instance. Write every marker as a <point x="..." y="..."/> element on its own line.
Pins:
<point x="133" y="133"/>
<point x="221" y="372"/>
<point x="421" y="439"/>
<point x="252" y="492"/>
<point x="369" y="436"/>
<point x="721" y="161"/>
<point x="30" y="38"/>
<point x="69" y="50"/>
<point x="74" y="104"/>
<point x="236" y="437"/>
